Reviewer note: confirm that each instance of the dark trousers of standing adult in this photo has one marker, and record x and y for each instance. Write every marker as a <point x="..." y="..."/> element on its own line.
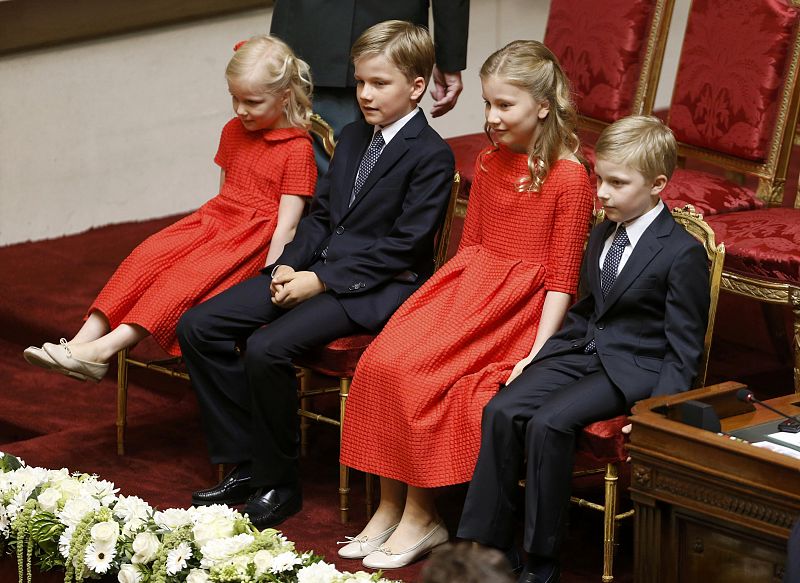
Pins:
<point x="248" y="398"/>
<point x="540" y="413"/>
<point x="338" y="106"/>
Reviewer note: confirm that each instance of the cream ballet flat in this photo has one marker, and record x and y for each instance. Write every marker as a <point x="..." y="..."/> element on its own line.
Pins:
<point x="69" y="365"/>
<point x="383" y="558"/>
<point x="38" y="357"/>
<point x="358" y="547"/>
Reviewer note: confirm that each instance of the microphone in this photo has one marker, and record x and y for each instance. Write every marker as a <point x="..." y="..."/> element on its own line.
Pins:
<point x="791" y="425"/>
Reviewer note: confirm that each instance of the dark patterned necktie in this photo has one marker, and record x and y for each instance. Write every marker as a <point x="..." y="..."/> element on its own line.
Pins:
<point x="367" y="163"/>
<point x="608" y="275"/>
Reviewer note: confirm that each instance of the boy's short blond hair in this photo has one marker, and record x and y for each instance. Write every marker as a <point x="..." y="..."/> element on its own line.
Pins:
<point x="408" y="47"/>
<point x="642" y="142"/>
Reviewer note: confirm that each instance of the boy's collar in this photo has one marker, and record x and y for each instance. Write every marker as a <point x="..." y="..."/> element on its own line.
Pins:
<point x="394" y="128"/>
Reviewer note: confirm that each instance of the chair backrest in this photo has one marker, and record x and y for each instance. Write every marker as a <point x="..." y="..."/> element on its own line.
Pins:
<point x="735" y="101"/>
<point x="323" y="130"/>
<point x="456" y="208"/>
<point x="693" y="222"/>
<point x="612" y="52"/>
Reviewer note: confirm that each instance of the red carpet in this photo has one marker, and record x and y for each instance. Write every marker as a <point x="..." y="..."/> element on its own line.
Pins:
<point x="54" y="421"/>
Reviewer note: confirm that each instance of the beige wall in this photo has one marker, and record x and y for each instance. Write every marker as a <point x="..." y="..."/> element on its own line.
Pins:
<point x="126" y="128"/>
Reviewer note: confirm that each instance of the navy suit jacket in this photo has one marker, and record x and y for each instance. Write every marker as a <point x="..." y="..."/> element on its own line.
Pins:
<point x="650" y="329"/>
<point x="389" y="229"/>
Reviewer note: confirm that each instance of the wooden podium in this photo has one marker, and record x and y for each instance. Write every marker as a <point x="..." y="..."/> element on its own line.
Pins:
<point x="709" y="508"/>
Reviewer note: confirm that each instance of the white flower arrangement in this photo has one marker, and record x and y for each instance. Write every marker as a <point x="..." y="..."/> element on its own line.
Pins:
<point x="77" y="522"/>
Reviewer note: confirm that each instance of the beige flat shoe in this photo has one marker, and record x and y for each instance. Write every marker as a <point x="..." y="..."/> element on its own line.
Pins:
<point x="383" y="558"/>
<point x="38" y="357"/>
<point x="69" y="365"/>
<point x="358" y="547"/>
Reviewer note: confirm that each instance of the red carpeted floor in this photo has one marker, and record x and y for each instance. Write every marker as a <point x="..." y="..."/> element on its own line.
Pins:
<point x="54" y="421"/>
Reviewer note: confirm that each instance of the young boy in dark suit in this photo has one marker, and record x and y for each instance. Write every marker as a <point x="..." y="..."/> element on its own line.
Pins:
<point x="637" y="331"/>
<point x="366" y="246"/>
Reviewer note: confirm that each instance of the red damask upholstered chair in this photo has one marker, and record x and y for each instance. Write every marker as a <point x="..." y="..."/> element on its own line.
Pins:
<point x="735" y="107"/>
<point x="601" y="445"/>
<point x="611" y="51"/>
<point x="339" y="358"/>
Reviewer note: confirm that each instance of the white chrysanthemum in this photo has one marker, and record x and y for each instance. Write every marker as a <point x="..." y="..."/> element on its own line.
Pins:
<point x="132" y="527"/>
<point x="16" y="503"/>
<point x="145" y="546"/>
<point x="177" y="557"/>
<point x="129" y="508"/>
<point x="284" y="562"/>
<point x="48" y="499"/>
<point x="172" y="518"/>
<point x="216" y="522"/>
<point x="98" y="559"/>
<point x="358" y="577"/>
<point x="75" y="509"/>
<point x="317" y="573"/>
<point x="219" y="550"/>
<point x="263" y="561"/>
<point x="104" y="491"/>
<point x="197" y="576"/>
<point x="65" y="540"/>
<point x="129" y="574"/>
<point x="105" y="533"/>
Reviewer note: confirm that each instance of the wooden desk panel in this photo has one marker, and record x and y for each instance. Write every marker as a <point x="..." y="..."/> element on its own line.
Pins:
<point x="709" y="508"/>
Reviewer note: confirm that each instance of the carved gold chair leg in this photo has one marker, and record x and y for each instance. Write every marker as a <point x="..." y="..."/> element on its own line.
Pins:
<point x="794" y="301"/>
<point x="303" y="376"/>
<point x="122" y="399"/>
<point x="609" y="521"/>
<point x="344" y="471"/>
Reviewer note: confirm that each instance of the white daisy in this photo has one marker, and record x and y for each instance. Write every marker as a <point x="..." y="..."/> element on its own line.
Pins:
<point x="284" y="562"/>
<point x="177" y="557"/>
<point x="98" y="559"/>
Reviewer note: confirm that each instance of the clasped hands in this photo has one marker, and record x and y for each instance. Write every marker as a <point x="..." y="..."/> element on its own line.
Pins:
<point x="289" y="287"/>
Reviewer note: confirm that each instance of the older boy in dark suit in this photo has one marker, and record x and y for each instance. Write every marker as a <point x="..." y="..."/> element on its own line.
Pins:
<point x="366" y="246"/>
<point x="636" y="332"/>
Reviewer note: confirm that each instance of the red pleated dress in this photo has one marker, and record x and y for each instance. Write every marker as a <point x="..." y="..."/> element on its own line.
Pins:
<point x="222" y="243"/>
<point x="414" y="409"/>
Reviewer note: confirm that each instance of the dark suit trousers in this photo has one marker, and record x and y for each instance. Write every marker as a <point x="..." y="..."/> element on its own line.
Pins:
<point x="248" y="401"/>
<point x="539" y="413"/>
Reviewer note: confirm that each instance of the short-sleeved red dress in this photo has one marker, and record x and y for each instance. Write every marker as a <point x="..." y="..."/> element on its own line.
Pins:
<point x="222" y="243"/>
<point x="414" y="408"/>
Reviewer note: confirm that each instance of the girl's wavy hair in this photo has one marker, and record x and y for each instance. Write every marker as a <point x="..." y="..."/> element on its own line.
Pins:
<point x="532" y="67"/>
<point x="272" y="67"/>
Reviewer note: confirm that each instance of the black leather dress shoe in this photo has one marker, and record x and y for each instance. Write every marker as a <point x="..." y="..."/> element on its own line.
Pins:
<point x="272" y="505"/>
<point x="233" y="489"/>
<point x="547" y="572"/>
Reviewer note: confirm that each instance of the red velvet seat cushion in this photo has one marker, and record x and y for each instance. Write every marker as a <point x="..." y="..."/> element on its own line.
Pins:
<point x="603" y="442"/>
<point x="734" y="59"/>
<point x="710" y="194"/>
<point x="763" y="243"/>
<point x="338" y="358"/>
<point x="466" y="149"/>
<point x="601" y="47"/>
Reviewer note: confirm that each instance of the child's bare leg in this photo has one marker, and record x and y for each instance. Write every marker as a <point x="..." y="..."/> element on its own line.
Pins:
<point x="104" y="348"/>
<point x="390" y="508"/>
<point x="95" y="326"/>
<point x="419" y="518"/>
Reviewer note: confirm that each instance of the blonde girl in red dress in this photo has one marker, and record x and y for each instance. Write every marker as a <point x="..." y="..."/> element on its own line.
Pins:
<point x="267" y="174"/>
<point x="414" y="409"/>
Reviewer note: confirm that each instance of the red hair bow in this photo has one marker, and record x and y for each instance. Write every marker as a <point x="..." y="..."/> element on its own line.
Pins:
<point x="238" y="45"/>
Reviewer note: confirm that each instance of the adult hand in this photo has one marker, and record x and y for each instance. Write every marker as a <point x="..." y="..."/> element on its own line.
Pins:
<point x="445" y="89"/>
<point x="301" y="286"/>
<point x="518" y="368"/>
<point x="282" y="274"/>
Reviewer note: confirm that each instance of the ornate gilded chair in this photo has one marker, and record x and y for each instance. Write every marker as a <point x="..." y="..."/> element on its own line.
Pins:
<point x="601" y="445"/>
<point x="339" y="358"/>
<point x="174" y="367"/>
<point x="611" y="52"/>
<point x="735" y="107"/>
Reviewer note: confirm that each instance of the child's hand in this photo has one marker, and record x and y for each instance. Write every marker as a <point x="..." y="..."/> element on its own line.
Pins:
<point x="296" y="288"/>
<point x="518" y="368"/>
<point x="283" y="274"/>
